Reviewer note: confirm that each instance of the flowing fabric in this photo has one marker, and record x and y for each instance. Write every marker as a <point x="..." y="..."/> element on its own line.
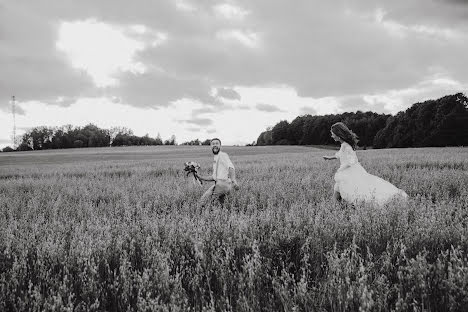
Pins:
<point x="355" y="184"/>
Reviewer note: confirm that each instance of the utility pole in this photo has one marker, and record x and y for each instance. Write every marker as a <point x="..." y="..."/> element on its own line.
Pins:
<point x="13" y="110"/>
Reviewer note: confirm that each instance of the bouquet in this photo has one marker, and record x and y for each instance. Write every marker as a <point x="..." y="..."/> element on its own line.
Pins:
<point x="192" y="167"/>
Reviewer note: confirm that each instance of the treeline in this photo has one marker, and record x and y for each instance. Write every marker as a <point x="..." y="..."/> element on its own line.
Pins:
<point x="41" y="138"/>
<point x="197" y="142"/>
<point x="315" y="130"/>
<point x="442" y="122"/>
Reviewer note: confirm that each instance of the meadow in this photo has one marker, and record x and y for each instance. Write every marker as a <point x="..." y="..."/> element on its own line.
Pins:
<point x="119" y="229"/>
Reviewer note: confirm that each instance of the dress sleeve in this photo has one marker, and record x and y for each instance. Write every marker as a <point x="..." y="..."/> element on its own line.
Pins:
<point x="338" y="154"/>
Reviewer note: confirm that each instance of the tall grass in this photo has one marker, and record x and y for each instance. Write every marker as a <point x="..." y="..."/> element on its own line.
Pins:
<point x="128" y="235"/>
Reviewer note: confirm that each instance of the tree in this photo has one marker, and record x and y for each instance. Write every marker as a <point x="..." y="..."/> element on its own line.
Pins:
<point x="280" y="133"/>
<point x="265" y="138"/>
<point x="171" y="141"/>
<point x="93" y="136"/>
<point x="440" y="122"/>
<point x="78" y="143"/>
<point x="381" y="138"/>
<point x="146" y="140"/>
<point x="27" y="140"/>
<point x="7" y="149"/>
<point x="296" y="130"/>
<point x="89" y="136"/>
<point x="261" y="139"/>
<point x="114" y="131"/>
<point x="58" y="140"/>
<point x="192" y="142"/>
<point x="23" y="147"/>
<point x="121" y="140"/>
<point x="159" y="141"/>
<point x="38" y="138"/>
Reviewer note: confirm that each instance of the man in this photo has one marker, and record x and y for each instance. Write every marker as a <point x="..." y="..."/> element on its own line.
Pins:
<point x="224" y="175"/>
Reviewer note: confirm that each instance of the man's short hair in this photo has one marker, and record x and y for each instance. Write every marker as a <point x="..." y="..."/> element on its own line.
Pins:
<point x="215" y="139"/>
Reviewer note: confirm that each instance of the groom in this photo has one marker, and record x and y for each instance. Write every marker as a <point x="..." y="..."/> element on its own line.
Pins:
<point x="224" y="175"/>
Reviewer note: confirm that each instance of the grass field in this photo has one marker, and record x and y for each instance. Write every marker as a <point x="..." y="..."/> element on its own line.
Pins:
<point x="119" y="229"/>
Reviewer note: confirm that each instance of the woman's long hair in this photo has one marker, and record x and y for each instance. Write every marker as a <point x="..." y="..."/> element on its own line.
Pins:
<point x="343" y="132"/>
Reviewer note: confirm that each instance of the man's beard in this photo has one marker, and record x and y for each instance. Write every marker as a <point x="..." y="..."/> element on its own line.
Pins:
<point x="215" y="152"/>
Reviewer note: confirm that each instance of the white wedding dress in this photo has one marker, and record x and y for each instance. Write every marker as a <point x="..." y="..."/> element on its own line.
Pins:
<point x="355" y="184"/>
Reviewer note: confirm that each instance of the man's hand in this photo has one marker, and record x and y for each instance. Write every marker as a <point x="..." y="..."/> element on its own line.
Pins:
<point x="236" y="185"/>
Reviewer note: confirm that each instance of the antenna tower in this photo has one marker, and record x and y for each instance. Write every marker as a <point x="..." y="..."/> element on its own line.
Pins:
<point x="13" y="111"/>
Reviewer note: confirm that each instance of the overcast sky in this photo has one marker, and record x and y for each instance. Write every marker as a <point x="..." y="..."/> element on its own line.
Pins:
<point x="199" y="69"/>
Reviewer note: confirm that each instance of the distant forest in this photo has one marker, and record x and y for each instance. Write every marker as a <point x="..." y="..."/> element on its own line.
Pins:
<point x="42" y="138"/>
<point x="442" y="122"/>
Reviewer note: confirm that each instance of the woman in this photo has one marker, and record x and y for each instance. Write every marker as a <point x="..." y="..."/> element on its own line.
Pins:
<point x="352" y="182"/>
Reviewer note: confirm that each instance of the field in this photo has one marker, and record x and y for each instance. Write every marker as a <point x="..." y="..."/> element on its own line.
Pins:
<point x="119" y="229"/>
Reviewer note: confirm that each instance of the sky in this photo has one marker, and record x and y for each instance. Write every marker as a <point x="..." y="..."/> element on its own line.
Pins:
<point x="227" y="69"/>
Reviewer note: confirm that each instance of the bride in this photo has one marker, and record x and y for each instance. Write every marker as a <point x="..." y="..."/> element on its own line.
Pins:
<point x="352" y="182"/>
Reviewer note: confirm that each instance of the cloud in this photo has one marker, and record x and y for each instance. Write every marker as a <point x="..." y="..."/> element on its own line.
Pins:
<point x="340" y="65"/>
<point x="203" y="110"/>
<point x="31" y="66"/>
<point x="308" y="110"/>
<point x="199" y="121"/>
<point x="183" y="5"/>
<point x="460" y="2"/>
<point x="230" y="11"/>
<point x="8" y="109"/>
<point x="248" y="39"/>
<point x="184" y="49"/>
<point x="194" y="129"/>
<point x="395" y="100"/>
<point x="19" y="110"/>
<point x="361" y="103"/>
<point x="159" y="89"/>
<point x="227" y="93"/>
<point x="269" y="108"/>
<point x="100" y="49"/>
<point x="401" y="30"/>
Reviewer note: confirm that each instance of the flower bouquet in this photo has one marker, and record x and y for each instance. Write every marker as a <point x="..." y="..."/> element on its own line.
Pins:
<point x="191" y="168"/>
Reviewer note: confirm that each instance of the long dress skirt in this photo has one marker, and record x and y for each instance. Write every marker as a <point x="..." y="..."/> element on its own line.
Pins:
<point x="356" y="185"/>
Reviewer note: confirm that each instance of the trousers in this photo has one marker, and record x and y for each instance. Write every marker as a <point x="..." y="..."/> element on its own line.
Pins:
<point x="219" y="190"/>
